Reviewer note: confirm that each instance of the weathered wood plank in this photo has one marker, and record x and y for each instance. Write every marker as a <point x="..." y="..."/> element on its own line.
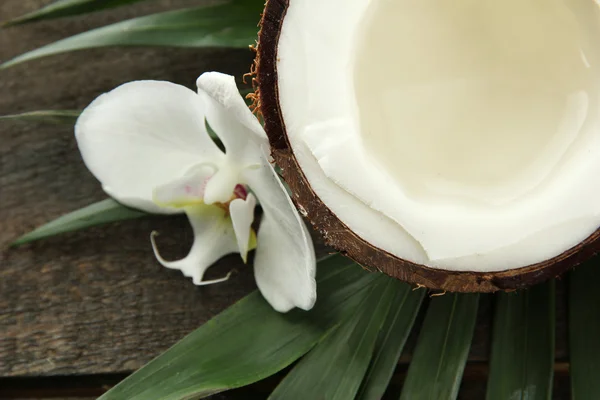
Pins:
<point x="94" y="301"/>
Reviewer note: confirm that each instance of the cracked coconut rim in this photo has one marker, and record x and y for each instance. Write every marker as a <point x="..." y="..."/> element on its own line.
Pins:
<point x="432" y="142"/>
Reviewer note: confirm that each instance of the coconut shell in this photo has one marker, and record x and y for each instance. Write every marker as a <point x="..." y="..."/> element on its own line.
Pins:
<point x="337" y="234"/>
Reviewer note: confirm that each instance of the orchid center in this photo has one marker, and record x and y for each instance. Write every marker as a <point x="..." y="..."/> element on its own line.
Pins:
<point x="190" y="190"/>
<point x="239" y="192"/>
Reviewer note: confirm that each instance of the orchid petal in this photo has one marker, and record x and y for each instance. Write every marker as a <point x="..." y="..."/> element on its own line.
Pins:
<point x="142" y="135"/>
<point x="242" y="215"/>
<point x="214" y="237"/>
<point x="186" y="191"/>
<point x="285" y="264"/>
<point x="228" y="114"/>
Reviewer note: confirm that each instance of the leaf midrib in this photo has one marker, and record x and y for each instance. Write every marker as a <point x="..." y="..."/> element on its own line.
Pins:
<point x="448" y="328"/>
<point x="388" y="334"/>
<point x="525" y="349"/>
<point x="364" y="333"/>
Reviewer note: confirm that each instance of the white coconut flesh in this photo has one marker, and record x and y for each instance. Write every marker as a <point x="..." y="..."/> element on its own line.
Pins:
<point x="461" y="135"/>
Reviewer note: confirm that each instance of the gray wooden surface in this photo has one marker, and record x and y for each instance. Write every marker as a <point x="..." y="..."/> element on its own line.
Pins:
<point x="95" y="301"/>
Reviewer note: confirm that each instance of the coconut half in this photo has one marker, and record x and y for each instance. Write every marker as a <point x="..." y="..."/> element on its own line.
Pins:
<point x="451" y="145"/>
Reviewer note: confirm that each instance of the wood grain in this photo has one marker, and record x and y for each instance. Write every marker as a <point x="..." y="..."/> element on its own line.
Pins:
<point x="96" y="302"/>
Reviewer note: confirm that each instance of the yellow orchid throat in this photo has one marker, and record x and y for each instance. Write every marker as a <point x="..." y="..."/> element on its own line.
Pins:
<point x="196" y="207"/>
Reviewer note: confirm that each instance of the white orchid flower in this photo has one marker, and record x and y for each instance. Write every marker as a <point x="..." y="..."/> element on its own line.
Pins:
<point x="147" y="143"/>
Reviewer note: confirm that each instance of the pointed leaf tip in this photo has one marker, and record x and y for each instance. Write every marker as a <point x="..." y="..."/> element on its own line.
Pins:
<point x="65" y="8"/>
<point x="45" y="116"/>
<point x="103" y="212"/>
<point x="230" y="24"/>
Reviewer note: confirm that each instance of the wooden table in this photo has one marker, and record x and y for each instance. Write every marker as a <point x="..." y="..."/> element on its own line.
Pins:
<point x="80" y="311"/>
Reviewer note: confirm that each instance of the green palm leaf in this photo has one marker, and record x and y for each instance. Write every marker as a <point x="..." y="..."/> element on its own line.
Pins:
<point x="249" y="341"/>
<point x="441" y="354"/>
<point x="65" y="8"/>
<point x="100" y="213"/>
<point x="393" y="335"/>
<point x="584" y="331"/>
<point x="335" y="368"/>
<point x="229" y="24"/>
<point x="69" y="117"/>
<point x="522" y="361"/>
<point x="47" y="116"/>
